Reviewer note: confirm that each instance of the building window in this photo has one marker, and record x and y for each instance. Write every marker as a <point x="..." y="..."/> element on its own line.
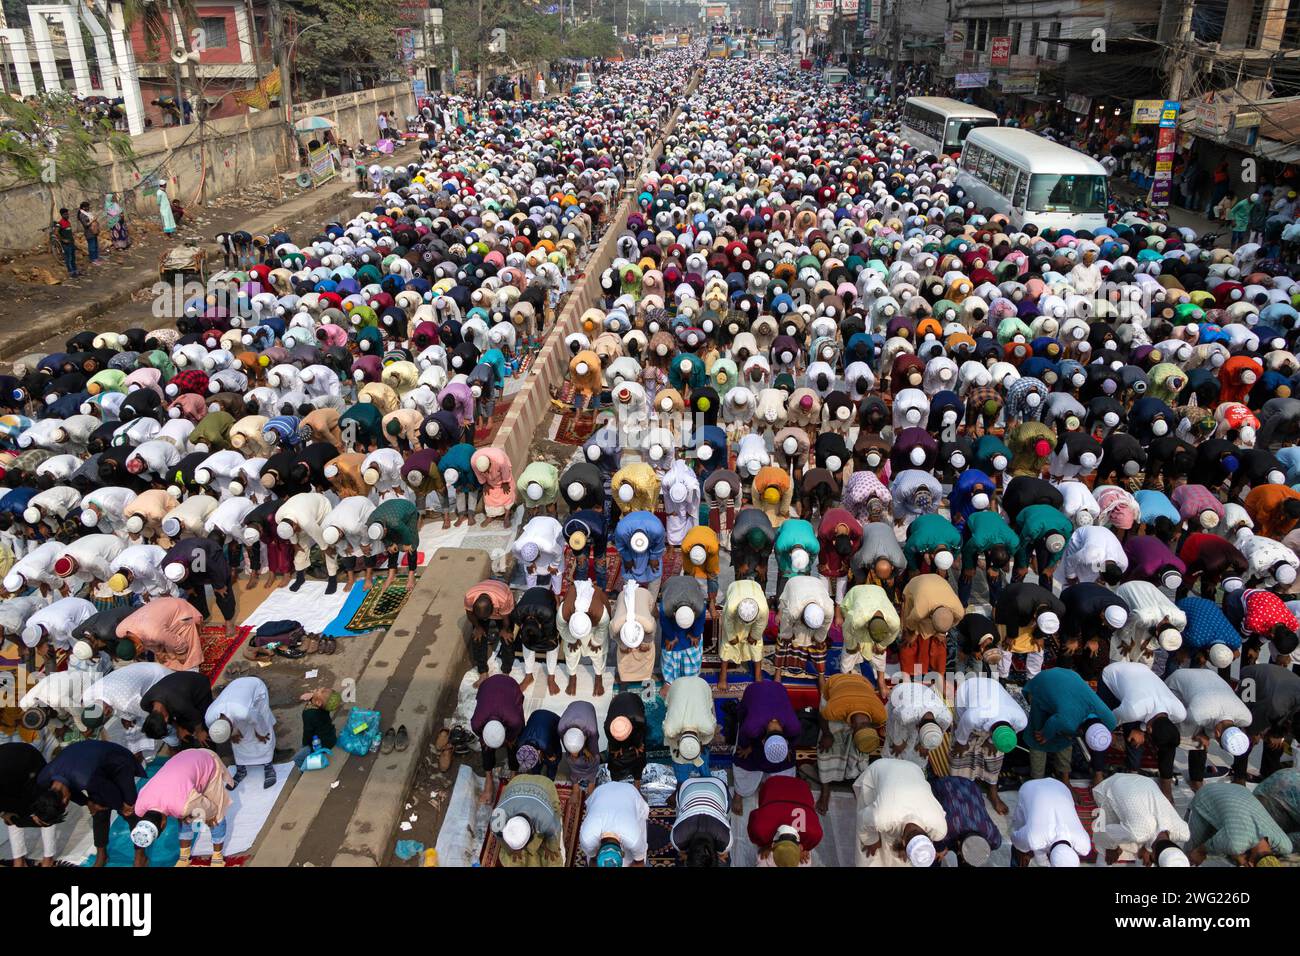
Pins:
<point x="214" y="32"/>
<point x="1291" y="27"/>
<point x="1015" y="37"/>
<point x="1033" y="40"/>
<point x="1054" y="33"/>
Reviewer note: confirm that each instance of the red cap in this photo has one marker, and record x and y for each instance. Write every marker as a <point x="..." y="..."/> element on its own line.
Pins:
<point x="1042" y="449"/>
<point x="64" y="566"/>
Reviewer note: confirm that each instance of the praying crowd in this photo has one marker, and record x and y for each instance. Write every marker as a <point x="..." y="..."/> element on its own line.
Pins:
<point x="304" y="418"/>
<point x="992" y="528"/>
<point x="989" y="531"/>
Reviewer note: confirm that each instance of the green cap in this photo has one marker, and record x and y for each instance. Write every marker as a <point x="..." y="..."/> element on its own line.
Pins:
<point x="1004" y="738"/>
<point x="125" y="650"/>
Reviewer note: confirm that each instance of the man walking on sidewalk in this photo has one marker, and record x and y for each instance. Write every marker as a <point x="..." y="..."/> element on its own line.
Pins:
<point x="69" y="244"/>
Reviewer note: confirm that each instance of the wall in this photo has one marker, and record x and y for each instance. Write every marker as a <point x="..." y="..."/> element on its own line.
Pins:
<point x="234" y="153"/>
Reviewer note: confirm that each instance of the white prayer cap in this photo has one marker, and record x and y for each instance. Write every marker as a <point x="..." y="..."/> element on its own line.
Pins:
<point x="689" y="745"/>
<point x="14" y="582"/>
<point x="1172" y="856"/>
<point x="677" y="493"/>
<point x="626" y="492"/>
<point x="747" y="610"/>
<point x="931" y="735"/>
<point x="33" y="634"/>
<point x="284" y="530"/>
<point x="251" y="536"/>
<point x="975" y="850"/>
<point x="82" y="651"/>
<point x="1097" y="737"/>
<point x="220" y="730"/>
<point x="698" y="554"/>
<point x="576" y="490"/>
<point x="1115" y="616"/>
<point x="31" y="514"/>
<point x="89" y="517"/>
<point x="775" y="748"/>
<point x="375" y="531"/>
<point x="494" y="733"/>
<point x="799" y="559"/>
<point x="684" y="616"/>
<point x="1285" y="574"/>
<point x="1048" y="622"/>
<point x="574" y="740"/>
<point x="331" y="534"/>
<point x="534" y="491"/>
<point x="517" y="832"/>
<point x="814" y="616"/>
<point x="579" y="624"/>
<point x="639" y="542"/>
<point x="175" y="571"/>
<point x="529" y="551"/>
<point x="1063" y="855"/>
<point x="1171" y="579"/>
<point x="1170" y="640"/>
<point x="135" y="523"/>
<point x="943" y="560"/>
<point x="722" y="489"/>
<point x="980" y="501"/>
<point x="143" y="834"/>
<point x="1220" y="655"/>
<point x="1236" y="741"/>
<point x="632" y="634"/>
<point x="920" y="850"/>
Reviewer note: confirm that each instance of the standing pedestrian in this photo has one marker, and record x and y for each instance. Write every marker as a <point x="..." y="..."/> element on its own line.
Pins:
<point x="67" y="242"/>
<point x="90" y="226"/>
<point x="115" y="220"/>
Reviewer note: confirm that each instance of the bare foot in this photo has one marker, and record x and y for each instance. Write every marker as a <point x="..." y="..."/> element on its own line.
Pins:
<point x="599" y="688"/>
<point x="481" y="679"/>
<point x="552" y="685"/>
<point x="998" y="806"/>
<point x="737" y="805"/>
<point x="526" y="683"/>
<point x="824" y="801"/>
<point x="722" y="683"/>
<point x="572" y="687"/>
<point x="446" y="522"/>
<point x="460" y="520"/>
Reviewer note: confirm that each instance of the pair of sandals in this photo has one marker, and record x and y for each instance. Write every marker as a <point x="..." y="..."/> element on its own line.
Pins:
<point x="319" y="644"/>
<point x="397" y="740"/>
<point x="270" y="652"/>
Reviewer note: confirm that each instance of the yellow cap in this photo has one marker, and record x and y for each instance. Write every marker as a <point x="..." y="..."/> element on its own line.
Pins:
<point x="118" y="583"/>
<point x="772" y="495"/>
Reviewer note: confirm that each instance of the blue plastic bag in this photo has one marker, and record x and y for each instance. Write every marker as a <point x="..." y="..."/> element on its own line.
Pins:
<point x="360" y="731"/>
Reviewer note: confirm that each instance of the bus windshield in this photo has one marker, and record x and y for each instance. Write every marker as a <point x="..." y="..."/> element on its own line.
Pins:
<point x="1052" y="192"/>
<point x="959" y="128"/>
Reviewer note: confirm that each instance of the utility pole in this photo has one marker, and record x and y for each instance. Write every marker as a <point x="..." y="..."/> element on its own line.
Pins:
<point x="1182" y="26"/>
<point x="281" y="58"/>
<point x="898" y="50"/>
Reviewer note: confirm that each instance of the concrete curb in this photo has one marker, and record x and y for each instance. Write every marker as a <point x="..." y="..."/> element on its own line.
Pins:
<point x="413" y="676"/>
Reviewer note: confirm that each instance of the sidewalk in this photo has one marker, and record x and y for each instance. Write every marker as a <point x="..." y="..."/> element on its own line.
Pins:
<point x="116" y="295"/>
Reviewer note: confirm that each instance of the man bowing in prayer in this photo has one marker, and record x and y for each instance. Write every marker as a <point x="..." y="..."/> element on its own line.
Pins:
<point x="242" y="715"/>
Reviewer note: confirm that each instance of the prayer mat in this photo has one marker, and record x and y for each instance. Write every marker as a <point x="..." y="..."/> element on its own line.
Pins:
<point x="1085" y="806"/>
<point x="339" y="626"/>
<point x="219" y="649"/>
<point x="571" y="803"/>
<point x="1117" y="755"/>
<point x="379" y="608"/>
<point x="484" y="434"/>
<point x="575" y="427"/>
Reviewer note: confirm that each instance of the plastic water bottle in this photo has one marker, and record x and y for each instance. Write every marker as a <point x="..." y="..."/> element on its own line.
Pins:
<point x="315" y="743"/>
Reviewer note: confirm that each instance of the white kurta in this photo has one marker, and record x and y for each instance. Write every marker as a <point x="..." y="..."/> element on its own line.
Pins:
<point x="1141" y="693"/>
<point x="1132" y="812"/>
<point x="908" y="704"/>
<point x="1044" y="816"/>
<point x="892" y="794"/>
<point x="144" y="562"/>
<point x="689" y="709"/>
<point x="616" y="808"/>
<point x="1088" y="551"/>
<point x="246" y="704"/>
<point x="1208" y="699"/>
<point x="121" y="690"/>
<point x="980" y="703"/>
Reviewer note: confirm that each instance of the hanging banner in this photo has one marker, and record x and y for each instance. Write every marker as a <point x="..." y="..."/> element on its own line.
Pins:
<point x="971" y="81"/>
<point x="1166" y="147"/>
<point x="1019" y="83"/>
<point x="1147" y="112"/>
<point x="1078" y="104"/>
<point x="848" y="8"/>
<point x="259" y="96"/>
<point x="1000" y="52"/>
<point x="321" y="164"/>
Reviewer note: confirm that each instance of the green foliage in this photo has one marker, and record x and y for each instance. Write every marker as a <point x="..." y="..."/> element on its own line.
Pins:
<point x="532" y="35"/>
<point x="47" y="138"/>
<point x="355" y="35"/>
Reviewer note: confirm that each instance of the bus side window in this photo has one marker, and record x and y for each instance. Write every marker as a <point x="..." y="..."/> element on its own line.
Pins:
<point x="1022" y="190"/>
<point x="997" y="174"/>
